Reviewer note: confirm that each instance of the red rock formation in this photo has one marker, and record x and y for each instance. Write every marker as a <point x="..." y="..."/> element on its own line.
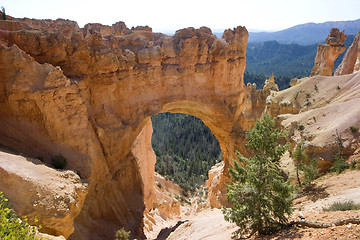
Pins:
<point x="327" y="53"/>
<point x="351" y="60"/>
<point x="88" y="93"/>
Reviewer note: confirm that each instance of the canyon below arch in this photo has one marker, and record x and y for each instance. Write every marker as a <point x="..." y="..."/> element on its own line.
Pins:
<point x="88" y="94"/>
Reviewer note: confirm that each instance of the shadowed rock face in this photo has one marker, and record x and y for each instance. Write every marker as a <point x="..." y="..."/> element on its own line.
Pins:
<point x="327" y="53"/>
<point x="351" y="60"/>
<point x="88" y="93"/>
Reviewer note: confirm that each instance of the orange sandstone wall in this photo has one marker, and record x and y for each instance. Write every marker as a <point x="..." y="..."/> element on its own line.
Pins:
<point x="88" y="93"/>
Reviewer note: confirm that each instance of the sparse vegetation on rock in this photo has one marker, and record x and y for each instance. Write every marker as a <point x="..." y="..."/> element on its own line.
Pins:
<point x="354" y="129"/>
<point x="59" y="162"/>
<point x="261" y="199"/>
<point x="296" y="95"/>
<point x="301" y="127"/>
<point x="339" y="164"/>
<point x="122" y="234"/>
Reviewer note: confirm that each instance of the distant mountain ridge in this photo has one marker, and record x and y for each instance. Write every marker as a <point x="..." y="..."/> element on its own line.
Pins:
<point x="306" y="34"/>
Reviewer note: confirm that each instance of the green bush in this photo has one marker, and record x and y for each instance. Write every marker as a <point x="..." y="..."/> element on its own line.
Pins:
<point x="182" y="199"/>
<point x="296" y="95"/>
<point x="311" y="172"/>
<point x="354" y="129"/>
<point x="342" y="206"/>
<point x="59" y="162"/>
<point x="122" y="234"/>
<point x="301" y="127"/>
<point x="353" y="164"/>
<point x="11" y="226"/>
<point x="339" y="165"/>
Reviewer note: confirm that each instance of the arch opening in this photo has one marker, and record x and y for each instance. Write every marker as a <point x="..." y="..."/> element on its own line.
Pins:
<point x="185" y="149"/>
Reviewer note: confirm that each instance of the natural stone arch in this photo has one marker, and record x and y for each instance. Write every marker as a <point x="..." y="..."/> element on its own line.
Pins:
<point x="212" y="91"/>
<point x="111" y="81"/>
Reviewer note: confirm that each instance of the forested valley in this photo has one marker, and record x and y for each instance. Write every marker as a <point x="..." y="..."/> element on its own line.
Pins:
<point x="286" y="61"/>
<point x="185" y="149"/>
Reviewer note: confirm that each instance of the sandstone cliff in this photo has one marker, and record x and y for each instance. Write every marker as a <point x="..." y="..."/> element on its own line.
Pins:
<point x="88" y="93"/>
<point x="351" y="60"/>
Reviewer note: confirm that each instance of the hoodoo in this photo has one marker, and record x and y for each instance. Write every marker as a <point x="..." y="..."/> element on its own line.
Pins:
<point x="327" y="53"/>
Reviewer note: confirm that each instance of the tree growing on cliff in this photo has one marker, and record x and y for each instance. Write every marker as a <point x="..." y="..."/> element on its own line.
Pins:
<point x="260" y="197"/>
<point x="3" y="16"/>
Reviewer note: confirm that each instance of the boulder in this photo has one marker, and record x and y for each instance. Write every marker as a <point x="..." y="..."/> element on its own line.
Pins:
<point x="54" y="197"/>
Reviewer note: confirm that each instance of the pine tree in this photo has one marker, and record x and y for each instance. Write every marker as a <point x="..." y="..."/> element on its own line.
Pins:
<point x="300" y="158"/>
<point x="309" y="168"/>
<point x="261" y="199"/>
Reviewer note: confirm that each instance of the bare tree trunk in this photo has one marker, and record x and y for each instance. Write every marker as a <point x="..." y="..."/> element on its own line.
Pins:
<point x="297" y="176"/>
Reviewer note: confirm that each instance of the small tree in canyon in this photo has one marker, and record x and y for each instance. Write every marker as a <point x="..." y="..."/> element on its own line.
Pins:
<point x="260" y="197"/>
<point x="300" y="158"/>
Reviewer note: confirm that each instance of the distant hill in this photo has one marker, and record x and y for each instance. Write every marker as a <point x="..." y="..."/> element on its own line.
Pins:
<point x="306" y="34"/>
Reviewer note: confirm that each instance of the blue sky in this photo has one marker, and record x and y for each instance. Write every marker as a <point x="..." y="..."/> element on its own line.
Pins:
<point x="167" y="16"/>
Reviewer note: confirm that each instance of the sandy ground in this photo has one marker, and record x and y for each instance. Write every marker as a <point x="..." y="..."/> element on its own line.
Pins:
<point x="210" y="224"/>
